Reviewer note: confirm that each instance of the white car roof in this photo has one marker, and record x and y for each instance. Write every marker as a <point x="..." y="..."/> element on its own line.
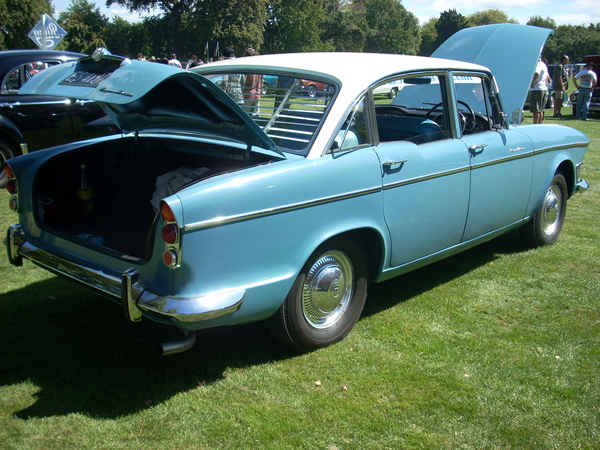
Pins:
<point x="356" y="71"/>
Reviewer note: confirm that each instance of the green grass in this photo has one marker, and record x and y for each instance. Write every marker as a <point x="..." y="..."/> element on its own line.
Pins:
<point x="497" y="347"/>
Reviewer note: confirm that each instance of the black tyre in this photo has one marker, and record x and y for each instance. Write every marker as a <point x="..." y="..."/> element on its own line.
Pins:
<point x="326" y="299"/>
<point x="312" y="90"/>
<point x="544" y="228"/>
<point x="393" y="92"/>
<point x="6" y="153"/>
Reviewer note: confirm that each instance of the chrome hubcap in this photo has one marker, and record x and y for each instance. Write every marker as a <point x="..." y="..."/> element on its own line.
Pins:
<point x="551" y="210"/>
<point x="328" y="289"/>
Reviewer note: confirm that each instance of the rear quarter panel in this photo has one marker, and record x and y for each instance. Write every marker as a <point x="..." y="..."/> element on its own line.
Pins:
<point x="255" y="229"/>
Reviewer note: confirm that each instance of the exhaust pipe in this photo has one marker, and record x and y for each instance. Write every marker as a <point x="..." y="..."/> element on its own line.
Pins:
<point x="171" y="348"/>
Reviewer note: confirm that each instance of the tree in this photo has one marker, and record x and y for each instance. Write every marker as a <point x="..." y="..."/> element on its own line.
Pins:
<point x="390" y="28"/>
<point x="17" y="18"/>
<point x="428" y="37"/>
<point x="538" y="21"/>
<point x="449" y="23"/>
<point x="174" y="11"/>
<point x="575" y="41"/>
<point x="118" y="37"/>
<point x="294" y="25"/>
<point x="488" y="17"/>
<point x="237" y="23"/>
<point x="340" y="31"/>
<point x="85" y="25"/>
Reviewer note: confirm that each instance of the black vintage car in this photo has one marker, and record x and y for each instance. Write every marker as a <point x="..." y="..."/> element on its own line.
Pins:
<point x="31" y="122"/>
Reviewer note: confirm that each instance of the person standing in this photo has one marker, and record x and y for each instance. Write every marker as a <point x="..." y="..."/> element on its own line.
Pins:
<point x="560" y="83"/>
<point x="232" y="83"/>
<point x="587" y="82"/>
<point x="539" y="92"/>
<point x="253" y="85"/>
<point x="174" y="61"/>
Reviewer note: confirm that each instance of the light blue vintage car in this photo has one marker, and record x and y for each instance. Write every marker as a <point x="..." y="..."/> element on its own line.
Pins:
<point x="202" y="215"/>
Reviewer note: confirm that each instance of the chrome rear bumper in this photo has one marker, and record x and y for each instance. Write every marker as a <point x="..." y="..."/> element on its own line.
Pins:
<point x="126" y="289"/>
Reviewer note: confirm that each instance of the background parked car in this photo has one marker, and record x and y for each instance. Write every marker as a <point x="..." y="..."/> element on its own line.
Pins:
<point x="390" y="90"/>
<point x="32" y="122"/>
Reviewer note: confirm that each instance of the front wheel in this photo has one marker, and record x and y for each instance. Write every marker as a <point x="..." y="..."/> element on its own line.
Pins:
<point x="326" y="299"/>
<point x="544" y="228"/>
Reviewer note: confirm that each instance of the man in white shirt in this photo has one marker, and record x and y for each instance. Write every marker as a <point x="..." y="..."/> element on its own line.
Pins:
<point x="539" y="92"/>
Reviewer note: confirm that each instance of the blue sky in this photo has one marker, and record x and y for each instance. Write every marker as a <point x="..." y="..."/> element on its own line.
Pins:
<point x="575" y="12"/>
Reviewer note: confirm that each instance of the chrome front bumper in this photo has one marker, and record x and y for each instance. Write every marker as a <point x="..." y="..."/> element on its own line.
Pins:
<point x="582" y="185"/>
<point x="125" y="289"/>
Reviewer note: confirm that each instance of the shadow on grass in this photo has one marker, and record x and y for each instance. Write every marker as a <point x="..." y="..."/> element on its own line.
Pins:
<point x="400" y="289"/>
<point x="80" y="356"/>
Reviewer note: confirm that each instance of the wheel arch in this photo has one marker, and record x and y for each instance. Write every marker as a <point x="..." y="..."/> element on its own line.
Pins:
<point x="567" y="168"/>
<point x="371" y="243"/>
<point x="11" y="134"/>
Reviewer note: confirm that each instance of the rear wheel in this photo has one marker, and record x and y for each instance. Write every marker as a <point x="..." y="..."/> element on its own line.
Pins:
<point x="545" y="227"/>
<point x="326" y="299"/>
<point x="6" y="152"/>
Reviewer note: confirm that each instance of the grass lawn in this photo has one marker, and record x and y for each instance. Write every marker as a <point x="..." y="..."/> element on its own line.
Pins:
<point x="498" y="347"/>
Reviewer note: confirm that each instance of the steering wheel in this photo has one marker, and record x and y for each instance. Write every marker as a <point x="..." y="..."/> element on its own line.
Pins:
<point x="463" y="119"/>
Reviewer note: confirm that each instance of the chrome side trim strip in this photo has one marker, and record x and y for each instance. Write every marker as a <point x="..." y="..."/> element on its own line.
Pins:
<point x="561" y="147"/>
<point x="424" y="178"/>
<point x="217" y="221"/>
<point x="513" y="157"/>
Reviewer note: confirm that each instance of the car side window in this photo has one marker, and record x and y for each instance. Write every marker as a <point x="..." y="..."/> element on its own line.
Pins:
<point x="477" y="103"/>
<point x="355" y="130"/>
<point x="412" y="108"/>
<point x="13" y="81"/>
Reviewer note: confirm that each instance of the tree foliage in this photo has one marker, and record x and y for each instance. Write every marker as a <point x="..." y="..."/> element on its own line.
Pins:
<point x="185" y="27"/>
<point x="539" y="21"/>
<point x="574" y="41"/>
<point x="86" y="26"/>
<point x="17" y="18"/>
<point x="449" y="23"/>
<point x="489" y="16"/>
<point x="389" y="27"/>
<point x="428" y="37"/>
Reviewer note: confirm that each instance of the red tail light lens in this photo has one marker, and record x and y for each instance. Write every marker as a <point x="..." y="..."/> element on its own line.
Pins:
<point x="170" y="258"/>
<point x="169" y="233"/>
<point x="11" y="186"/>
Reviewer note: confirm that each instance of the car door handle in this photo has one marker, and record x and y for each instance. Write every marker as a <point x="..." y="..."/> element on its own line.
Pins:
<point x="477" y="148"/>
<point x="394" y="162"/>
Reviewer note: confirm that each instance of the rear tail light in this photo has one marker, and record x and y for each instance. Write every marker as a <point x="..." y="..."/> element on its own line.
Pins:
<point x="8" y="171"/>
<point x="11" y="187"/>
<point x="170" y="234"/>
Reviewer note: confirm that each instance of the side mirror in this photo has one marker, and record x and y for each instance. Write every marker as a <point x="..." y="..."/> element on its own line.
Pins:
<point x="518" y="116"/>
